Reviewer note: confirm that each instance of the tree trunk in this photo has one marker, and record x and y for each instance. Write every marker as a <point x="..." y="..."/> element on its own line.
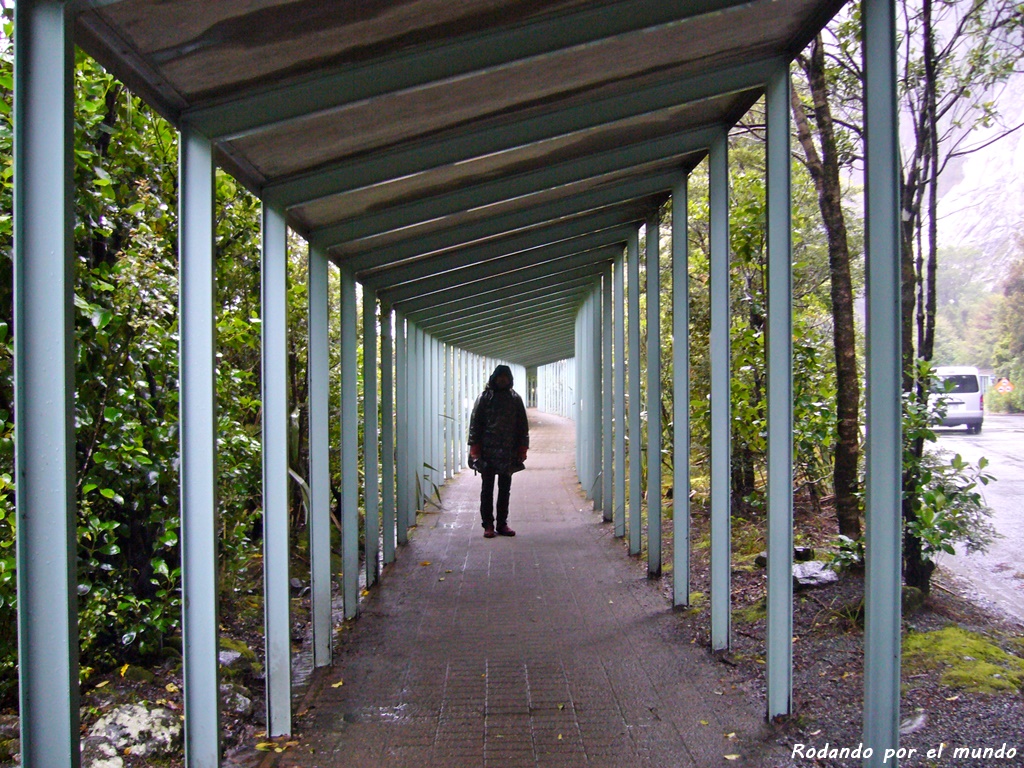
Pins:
<point x="825" y="172"/>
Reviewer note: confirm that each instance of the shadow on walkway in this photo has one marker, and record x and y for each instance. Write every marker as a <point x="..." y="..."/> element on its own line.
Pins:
<point x="548" y="649"/>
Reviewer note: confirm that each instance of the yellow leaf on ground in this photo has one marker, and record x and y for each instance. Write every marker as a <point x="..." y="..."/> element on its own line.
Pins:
<point x="731" y="757"/>
<point x="265" y="746"/>
<point x="703" y="722"/>
<point x="338" y="684"/>
<point x="425" y="562"/>
<point x="124" y="669"/>
<point x="101" y="683"/>
<point x="365" y="593"/>
<point x="171" y="688"/>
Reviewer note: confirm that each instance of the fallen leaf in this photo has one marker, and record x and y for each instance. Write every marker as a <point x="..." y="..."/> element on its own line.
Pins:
<point x="559" y="737"/>
<point x="171" y="688"/>
<point x="448" y="570"/>
<point x="265" y="746"/>
<point x="703" y="722"/>
<point x="124" y="669"/>
<point x="731" y="736"/>
<point x="365" y="593"/>
<point x="102" y="683"/>
<point x="338" y="684"/>
<point x="953" y="698"/>
<point x="440" y="578"/>
<point x="425" y="562"/>
<point x="731" y="757"/>
<point x="561" y="706"/>
<point x="817" y="732"/>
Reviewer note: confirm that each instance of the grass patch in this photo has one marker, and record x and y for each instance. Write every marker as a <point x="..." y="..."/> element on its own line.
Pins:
<point x="968" y="660"/>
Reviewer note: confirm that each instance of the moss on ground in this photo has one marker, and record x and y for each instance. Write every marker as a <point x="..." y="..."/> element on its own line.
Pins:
<point x="968" y="660"/>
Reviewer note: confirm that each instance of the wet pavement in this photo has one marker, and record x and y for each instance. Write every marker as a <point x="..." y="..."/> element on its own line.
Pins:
<point x="994" y="578"/>
<point x="551" y="648"/>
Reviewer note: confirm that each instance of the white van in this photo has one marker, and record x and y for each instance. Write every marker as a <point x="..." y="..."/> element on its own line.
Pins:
<point x="965" y="396"/>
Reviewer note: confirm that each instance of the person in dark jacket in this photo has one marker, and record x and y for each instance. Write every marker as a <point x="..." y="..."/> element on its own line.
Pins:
<point x="499" y="436"/>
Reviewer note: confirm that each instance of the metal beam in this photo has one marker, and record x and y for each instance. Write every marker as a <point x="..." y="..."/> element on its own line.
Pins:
<point x="619" y="459"/>
<point x="499" y="313"/>
<point x="44" y="385"/>
<point x="521" y="293"/>
<point x="475" y="266"/>
<point x="371" y="451"/>
<point x="454" y="302"/>
<point x="721" y="491"/>
<point x="653" y="274"/>
<point x="419" y="156"/>
<point x="883" y="477"/>
<point x="333" y="88"/>
<point x="319" y="458"/>
<point x="779" y="351"/>
<point x="371" y="254"/>
<point x="568" y="175"/>
<point x="349" y="448"/>
<point x="680" y="397"/>
<point x="276" y="521"/>
<point x="387" y="430"/>
<point x="633" y="310"/>
<point x="197" y="403"/>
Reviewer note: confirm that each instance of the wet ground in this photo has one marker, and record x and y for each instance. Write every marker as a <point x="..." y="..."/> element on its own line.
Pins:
<point x="551" y="648"/>
<point x="995" y="577"/>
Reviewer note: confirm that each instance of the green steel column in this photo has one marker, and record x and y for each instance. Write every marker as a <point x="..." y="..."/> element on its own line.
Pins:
<point x="779" y="349"/>
<point x="597" y="398"/>
<point x="883" y="479"/>
<point x="371" y="452"/>
<point x="319" y="458"/>
<point x="387" y="431"/>
<point x="653" y="396"/>
<point x="349" y="447"/>
<point x="197" y="403"/>
<point x="680" y="396"/>
<point x="403" y="403"/>
<point x="619" y="460"/>
<point x="608" y="398"/>
<point x="718" y="171"/>
<point x="276" y="548"/>
<point x="44" y="384"/>
<point x="633" y="289"/>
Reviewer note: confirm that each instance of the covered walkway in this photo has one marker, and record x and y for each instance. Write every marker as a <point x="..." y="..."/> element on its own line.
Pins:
<point x="477" y="173"/>
<point x="549" y="649"/>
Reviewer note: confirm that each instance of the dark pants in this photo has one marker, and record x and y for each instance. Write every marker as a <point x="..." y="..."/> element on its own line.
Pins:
<point x="487" y="498"/>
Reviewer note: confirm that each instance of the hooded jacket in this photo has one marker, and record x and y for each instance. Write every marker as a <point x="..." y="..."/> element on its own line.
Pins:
<point x="499" y="425"/>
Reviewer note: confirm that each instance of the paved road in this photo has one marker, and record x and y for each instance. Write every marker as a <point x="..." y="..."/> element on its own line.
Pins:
<point x="997" y="576"/>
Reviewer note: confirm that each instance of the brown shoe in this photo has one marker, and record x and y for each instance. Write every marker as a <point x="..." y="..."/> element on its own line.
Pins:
<point x="506" y="531"/>
<point x="489" y="532"/>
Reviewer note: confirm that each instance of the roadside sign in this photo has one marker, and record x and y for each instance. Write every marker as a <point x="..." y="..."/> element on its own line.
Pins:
<point x="1004" y="386"/>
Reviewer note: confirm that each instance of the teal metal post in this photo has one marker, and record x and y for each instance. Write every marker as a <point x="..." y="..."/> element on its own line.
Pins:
<point x="349" y="448"/>
<point x="883" y="479"/>
<point x="276" y="549"/>
<point x="680" y="396"/>
<point x="197" y="403"/>
<point x="779" y="343"/>
<point x="371" y="451"/>
<point x="718" y="171"/>
<point x="619" y="459"/>
<point x="596" y="398"/>
<point x="44" y="384"/>
<point x="387" y="431"/>
<point x="633" y="289"/>
<point x="607" y="401"/>
<point x="319" y="459"/>
<point x="403" y="482"/>
<point x="653" y="396"/>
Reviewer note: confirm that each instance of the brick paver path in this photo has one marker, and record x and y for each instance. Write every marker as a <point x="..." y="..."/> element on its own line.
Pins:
<point x="548" y="649"/>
